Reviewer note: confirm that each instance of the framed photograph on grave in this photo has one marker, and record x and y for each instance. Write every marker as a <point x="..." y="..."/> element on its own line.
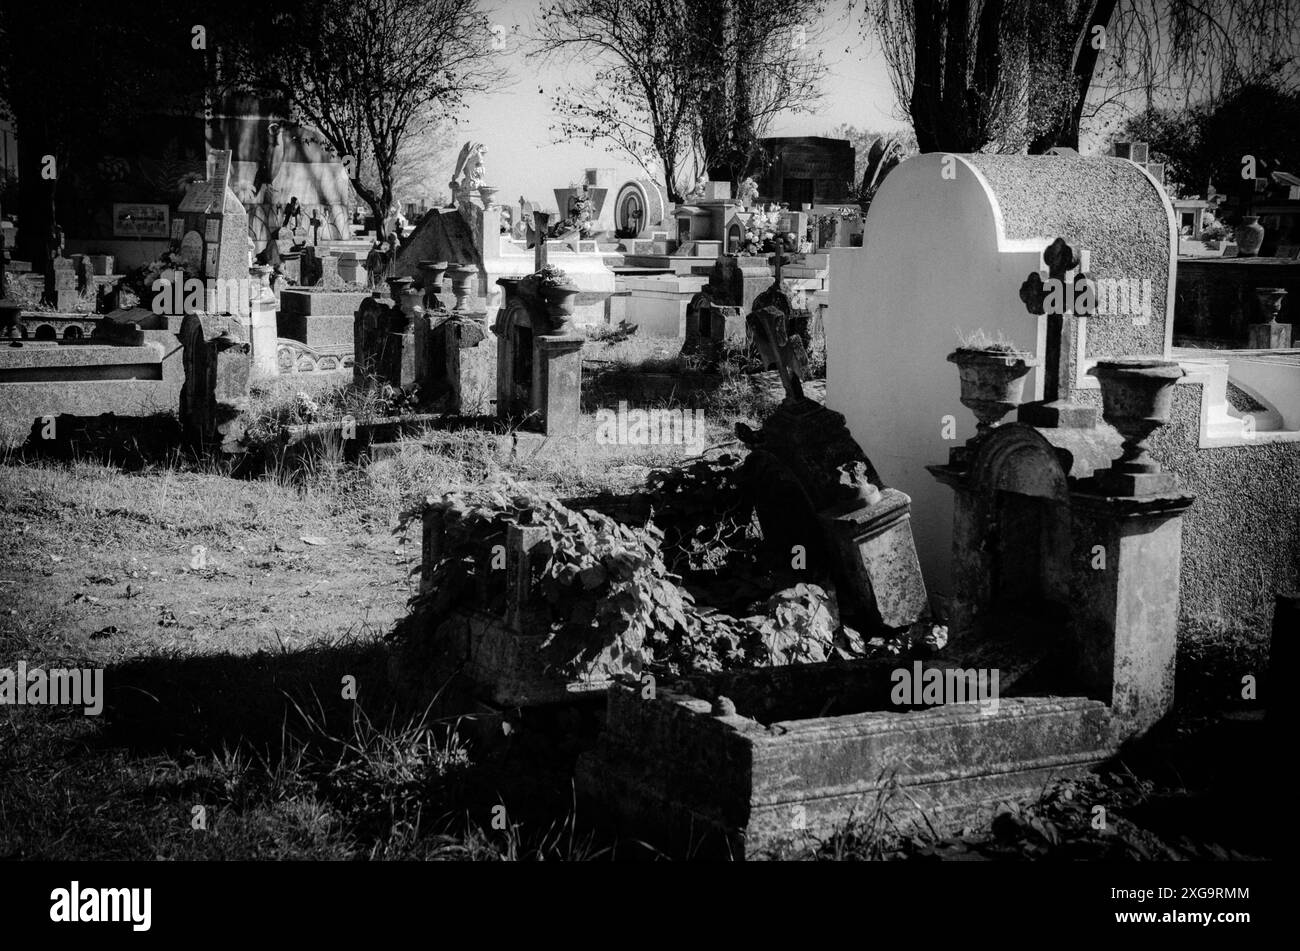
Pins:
<point x="139" y="220"/>
<point x="212" y="230"/>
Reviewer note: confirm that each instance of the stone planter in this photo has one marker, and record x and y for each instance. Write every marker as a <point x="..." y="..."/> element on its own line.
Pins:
<point x="432" y="273"/>
<point x="992" y="382"/>
<point x="560" y="299"/>
<point x="1270" y="335"/>
<point x="486" y="194"/>
<point x="1250" y="235"/>
<point x="463" y="280"/>
<point x="1136" y="395"/>
<point x="1270" y="301"/>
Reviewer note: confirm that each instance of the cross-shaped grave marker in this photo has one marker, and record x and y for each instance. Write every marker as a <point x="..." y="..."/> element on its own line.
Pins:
<point x="540" y="221"/>
<point x="1055" y="408"/>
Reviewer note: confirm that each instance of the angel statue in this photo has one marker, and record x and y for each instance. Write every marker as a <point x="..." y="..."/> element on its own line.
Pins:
<point x="469" y="173"/>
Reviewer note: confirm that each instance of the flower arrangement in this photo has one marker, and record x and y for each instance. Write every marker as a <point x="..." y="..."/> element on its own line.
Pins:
<point x="763" y="237"/>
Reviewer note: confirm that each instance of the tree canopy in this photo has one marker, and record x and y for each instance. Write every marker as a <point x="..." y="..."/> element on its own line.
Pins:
<point x="370" y="75"/>
<point x="684" y="86"/>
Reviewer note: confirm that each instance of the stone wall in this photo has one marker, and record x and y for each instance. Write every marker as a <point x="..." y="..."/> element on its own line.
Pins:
<point x="1241" y="537"/>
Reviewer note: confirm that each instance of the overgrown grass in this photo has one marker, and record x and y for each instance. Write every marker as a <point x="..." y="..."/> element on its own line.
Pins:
<point x="355" y="789"/>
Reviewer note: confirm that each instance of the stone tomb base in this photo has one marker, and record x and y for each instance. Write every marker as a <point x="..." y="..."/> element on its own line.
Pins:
<point x="672" y="771"/>
<point x="321" y="320"/>
<point x="141" y="374"/>
<point x="657" y="305"/>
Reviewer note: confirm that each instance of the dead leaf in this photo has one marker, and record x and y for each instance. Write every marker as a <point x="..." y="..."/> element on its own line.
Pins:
<point x="313" y="539"/>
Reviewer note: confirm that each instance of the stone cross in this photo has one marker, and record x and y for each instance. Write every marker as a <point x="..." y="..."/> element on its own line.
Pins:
<point x="1060" y="258"/>
<point x="540" y="221"/>
<point x="540" y="224"/>
<point x="1055" y="408"/>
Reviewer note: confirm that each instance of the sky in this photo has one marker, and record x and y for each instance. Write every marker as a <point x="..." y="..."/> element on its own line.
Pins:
<point x="524" y="159"/>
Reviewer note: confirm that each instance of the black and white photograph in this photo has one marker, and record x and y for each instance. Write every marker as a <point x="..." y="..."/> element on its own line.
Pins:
<point x="652" y="434"/>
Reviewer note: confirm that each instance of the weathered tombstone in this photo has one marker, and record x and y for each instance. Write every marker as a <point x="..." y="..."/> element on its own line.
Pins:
<point x="949" y="241"/>
<point x="215" y="393"/>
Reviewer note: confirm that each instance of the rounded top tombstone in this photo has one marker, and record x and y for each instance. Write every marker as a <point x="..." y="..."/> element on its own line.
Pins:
<point x="948" y="244"/>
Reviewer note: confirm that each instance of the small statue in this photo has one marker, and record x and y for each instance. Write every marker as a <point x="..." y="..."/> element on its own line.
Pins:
<point x="477" y="176"/>
<point x="377" y="262"/>
<point x="292" y="214"/>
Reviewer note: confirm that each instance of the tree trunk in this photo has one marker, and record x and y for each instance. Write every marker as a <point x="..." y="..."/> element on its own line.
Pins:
<point x="373" y="201"/>
<point x="670" y="176"/>
<point x="1066" y="133"/>
<point x="36" y="195"/>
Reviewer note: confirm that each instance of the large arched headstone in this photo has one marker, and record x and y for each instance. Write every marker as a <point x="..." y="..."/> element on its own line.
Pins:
<point x="948" y="243"/>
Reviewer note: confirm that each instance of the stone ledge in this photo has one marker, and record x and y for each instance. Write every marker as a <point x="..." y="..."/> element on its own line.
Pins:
<point x="668" y="767"/>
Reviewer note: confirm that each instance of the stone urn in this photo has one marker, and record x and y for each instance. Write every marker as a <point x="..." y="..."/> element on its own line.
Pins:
<point x="486" y="193"/>
<point x="1270" y="335"/>
<point x="1250" y="235"/>
<point x="992" y="382"/>
<point x="464" y="277"/>
<point x="260" y="275"/>
<point x="560" y="300"/>
<point x="1136" y="397"/>
<point x="432" y="273"/>
<point x="1270" y="301"/>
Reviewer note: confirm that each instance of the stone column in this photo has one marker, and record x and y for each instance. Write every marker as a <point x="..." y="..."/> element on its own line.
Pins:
<point x="260" y="324"/>
<point x="470" y="361"/>
<point x="405" y="372"/>
<point x="557" y="382"/>
<point x="1123" y="624"/>
<point x="263" y="335"/>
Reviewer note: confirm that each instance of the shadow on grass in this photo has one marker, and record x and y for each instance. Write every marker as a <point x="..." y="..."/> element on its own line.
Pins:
<point x="210" y="701"/>
<point x="389" y="764"/>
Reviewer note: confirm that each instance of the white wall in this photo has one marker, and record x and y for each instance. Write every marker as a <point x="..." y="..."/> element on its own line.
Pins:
<point x="932" y="263"/>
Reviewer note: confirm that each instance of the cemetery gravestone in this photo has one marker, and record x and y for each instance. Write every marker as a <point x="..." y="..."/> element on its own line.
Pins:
<point x="949" y="241"/>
